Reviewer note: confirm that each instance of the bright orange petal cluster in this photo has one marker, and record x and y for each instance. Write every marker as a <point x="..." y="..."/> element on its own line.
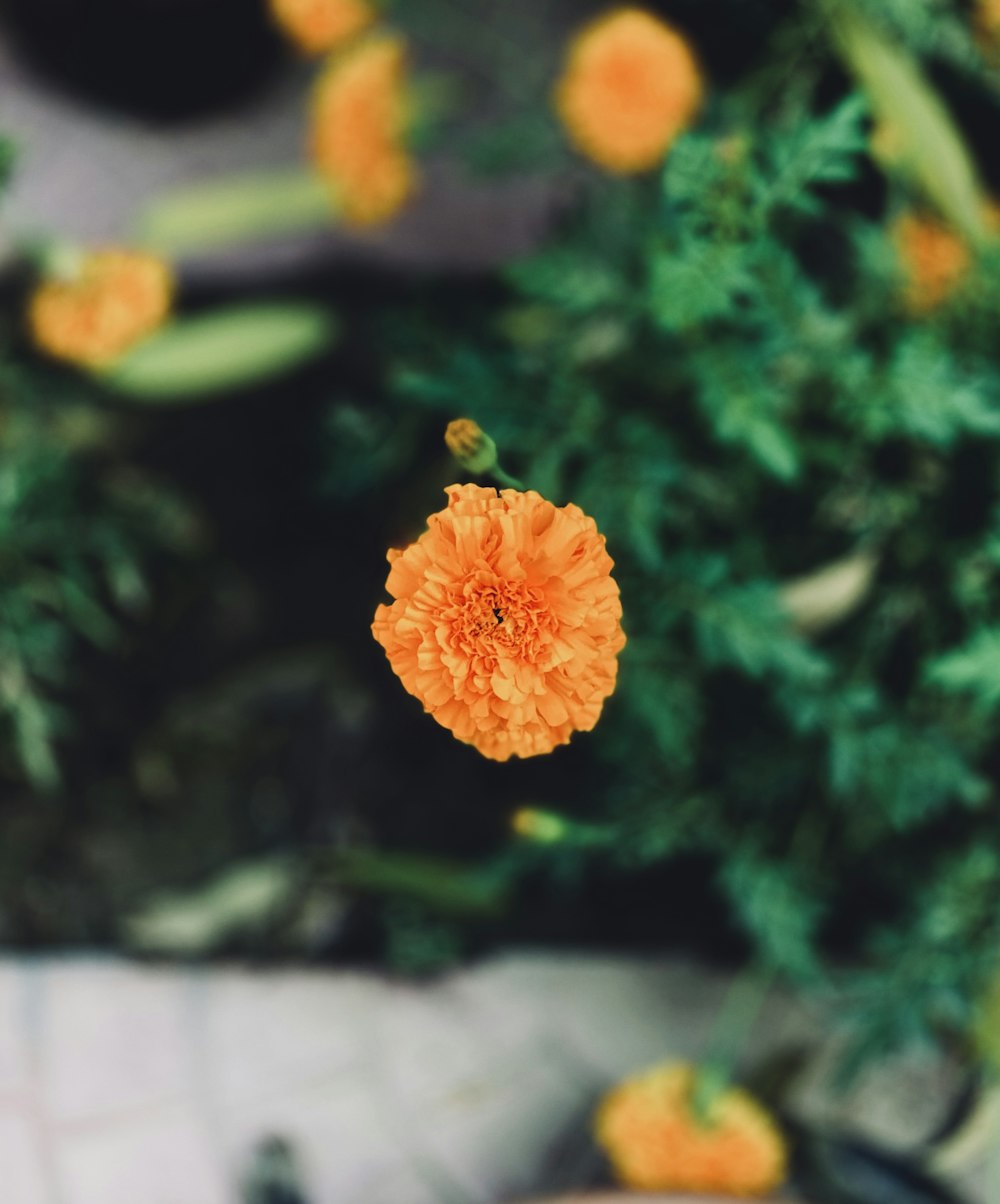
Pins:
<point x="317" y="26"/>
<point x="656" y="1142"/>
<point x="113" y="299"/>
<point x="506" y="622"/>
<point x="359" y="123"/>
<point x="631" y="84"/>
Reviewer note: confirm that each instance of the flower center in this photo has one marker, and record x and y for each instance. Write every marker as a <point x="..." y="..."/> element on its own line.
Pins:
<point x="500" y="618"/>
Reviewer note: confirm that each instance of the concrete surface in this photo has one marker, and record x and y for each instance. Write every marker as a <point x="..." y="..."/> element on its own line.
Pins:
<point x="85" y="175"/>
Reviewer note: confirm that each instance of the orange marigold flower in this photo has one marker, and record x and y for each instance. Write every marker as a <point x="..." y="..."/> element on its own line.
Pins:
<point x="358" y="126"/>
<point x="317" y="26"/>
<point x="506" y="622"/>
<point x="631" y="84"/>
<point x="113" y="299"/>
<point x="656" y="1142"/>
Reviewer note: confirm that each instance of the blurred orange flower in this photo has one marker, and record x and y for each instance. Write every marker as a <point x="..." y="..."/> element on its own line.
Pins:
<point x="935" y="259"/>
<point x="113" y="299"/>
<point x="506" y="622"/>
<point x="359" y="122"/>
<point x="631" y="84"/>
<point x="656" y="1142"/>
<point x="317" y="26"/>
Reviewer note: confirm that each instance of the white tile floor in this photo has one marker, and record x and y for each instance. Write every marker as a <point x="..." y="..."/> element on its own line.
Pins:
<point x="124" y="1084"/>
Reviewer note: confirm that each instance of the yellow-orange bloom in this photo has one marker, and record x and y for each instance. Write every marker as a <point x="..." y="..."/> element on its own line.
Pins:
<point x="506" y="622"/>
<point x="359" y="121"/>
<point x="656" y="1142"/>
<point x="317" y="26"/>
<point x="631" y="84"/>
<point x="113" y="299"/>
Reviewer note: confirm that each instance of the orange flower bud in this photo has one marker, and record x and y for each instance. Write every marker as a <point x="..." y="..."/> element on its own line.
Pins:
<point x="470" y="445"/>
<point x="543" y="827"/>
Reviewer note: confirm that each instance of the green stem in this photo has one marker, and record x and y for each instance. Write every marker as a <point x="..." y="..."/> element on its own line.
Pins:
<point x="505" y="479"/>
<point x="736" y="1017"/>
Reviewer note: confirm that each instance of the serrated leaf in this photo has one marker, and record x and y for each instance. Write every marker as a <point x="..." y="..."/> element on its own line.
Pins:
<point x="697" y="283"/>
<point x="823" y="151"/>
<point x="216" y="353"/>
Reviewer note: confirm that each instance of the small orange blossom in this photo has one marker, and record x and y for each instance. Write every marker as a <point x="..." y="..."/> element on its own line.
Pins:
<point x="631" y="84"/>
<point x="935" y="259"/>
<point x="359" y="121"/>
<point x="112" y="300"/>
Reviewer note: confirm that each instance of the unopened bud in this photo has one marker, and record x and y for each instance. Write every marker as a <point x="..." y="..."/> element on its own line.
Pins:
<point x="470" y="445"/>
<point x="544" y="827"/>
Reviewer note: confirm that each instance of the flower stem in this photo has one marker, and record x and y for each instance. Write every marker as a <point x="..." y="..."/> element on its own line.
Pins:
<point x="737" y="1015"/>
<point x="505" y="479"/>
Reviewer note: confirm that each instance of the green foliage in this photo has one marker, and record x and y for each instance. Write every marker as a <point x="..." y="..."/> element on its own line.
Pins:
<point x="716" y="365"/>
<point x="72" y="535"/>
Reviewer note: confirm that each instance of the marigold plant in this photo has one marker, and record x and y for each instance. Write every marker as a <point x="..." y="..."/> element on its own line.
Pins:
<point x="113" y="299"/>
<point x="656" y="1141"/>
<point x="359" y="123"/>
<point x="317" y="26"/>
<point x="506" y="622"/>
<point x="631" y="84"/>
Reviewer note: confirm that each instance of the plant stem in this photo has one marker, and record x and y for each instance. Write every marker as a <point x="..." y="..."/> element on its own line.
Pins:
<point x="737" y="1015"/>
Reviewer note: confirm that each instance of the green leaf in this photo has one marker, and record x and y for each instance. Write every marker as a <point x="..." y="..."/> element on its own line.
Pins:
<point x="823" y="151"/>
<point x="746" y="626"/>
<point x="935" y="153"/>
<point x="237" y="210"/>
<point x="246" y="898"/>
<point x="701" y="281"/>
<point x="219" y="352"/>
<point x="973" y="669"/>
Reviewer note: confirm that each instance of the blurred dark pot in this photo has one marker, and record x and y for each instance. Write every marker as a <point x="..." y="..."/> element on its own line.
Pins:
<point x="160" y="59"/>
